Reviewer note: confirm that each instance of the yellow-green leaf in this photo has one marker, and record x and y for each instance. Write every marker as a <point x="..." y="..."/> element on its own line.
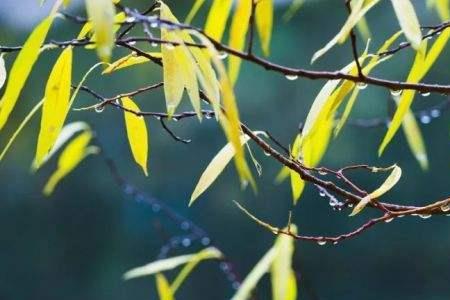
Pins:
<point x="2" y="71"/>
<point x="136" y="132"/>
<point x="407" y="18"/>
<point x="252" y="279"/>
<point x="197" y="5"/>
<point x="101" y="13"/>
<point x="264" y="23"/>
<point x="208" y="253"/>
<point x="282" y="274"/>
<point x="293" y="9"/>
<point x="357" y="13"/>
<point x="414" y="138"/>
<point x="128" y="61"/>
<point x="22" y="67"/>
<point x="56" y="105"/>
<point x="217" y="18"/>
<point x="70" y="158"/>
<point x="215" y="168"/>
<point x="388" y="184"/>
<point x="442" y="7"/>
<point x="238" y="32"/>
<point x="420" y="68"/>
<point x="162" y="285"/>
<point x="297" y="183"/>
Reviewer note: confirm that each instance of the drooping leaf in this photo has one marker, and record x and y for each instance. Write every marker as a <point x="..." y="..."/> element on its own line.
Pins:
<point x="264" y="23"/>
<point x="2" y="71"/>
<point x="215" y="168"/>
<point x="137" y="133"/>
<point x="128" y="61"/>
<point x="217" y="18"/>
<point x="252" y="279"/>
<point x="56" y="105"/>
<point x="69" y="159"/>
<point x="238" y="32"/>
<point x="22" y="67"/>
<point x="101" y="13"/>
<point x="293" y="9"/>
<point x="442" y="7"/>
<point x="422" y="64"/>
<point x="166" y="264"/>
<point x="195" y="8"/>
<point x="407" y="18"/>
<point x="208" y="253"/>
<point x="297" y="183"/>
<point x="284" y="286"/>
<point x="388" y="184"/>
<point x="414" y="138"/>
<point x="162" y="285"/>
<point x="88" y="29"/>
<point x="357" y="13"/>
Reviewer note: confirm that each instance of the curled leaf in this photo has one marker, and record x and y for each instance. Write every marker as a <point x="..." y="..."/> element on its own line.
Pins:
<point x="388" y="184"/>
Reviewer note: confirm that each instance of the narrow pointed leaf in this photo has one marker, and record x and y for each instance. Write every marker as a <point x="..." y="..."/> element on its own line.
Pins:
<point x="217" y="18"/>
<point x="162" y="285"/>
<point x="101" y="13"/>
<point x="407" y="18"/>
<point x="137" y="133"/>
<point x="128" y="61"/>
<point x="2" y="71"/>
<point x="56" y="105"/>
<point x="158" y="266"/>
<point x="388" y="184"/>
<point x="264" y="23"/>
<point x="22" y="67"/>
<point x="195" y="8"/>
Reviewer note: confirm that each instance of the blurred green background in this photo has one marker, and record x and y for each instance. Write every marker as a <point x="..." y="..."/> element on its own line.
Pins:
<point x="78" y="243"/>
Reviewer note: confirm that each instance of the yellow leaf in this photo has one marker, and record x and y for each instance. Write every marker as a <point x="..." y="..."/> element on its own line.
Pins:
<point x="388" y="184"/>
<point x="2" y="71"/>
<point x="101" y="13"/>
<point x="88" y="28"/>
<point x="282" y="274"/>
<point x="70" y="158"/>
<point x="136" y="133"/>
<point x="22" y="67"/>
<point x="238" y="32"/>
<point x="197" y="5"/>
<point x="442" y="7"/>
<point x="217" y="19"/>
<point x="128" y="61"/>
<point x="414" y="138"/>
<point x="250" y="282"/>
<point x="297" y="183"/>
<point x="358" y="12"/>
<point x="419" y="69"/>
<point x="56" y="105"/>
<point x="264" y="23"/>
<point x="162" y="285"/>
<point x="407" y="18"/>
<point x="282" y="174"/>
<point x="208" y="253"/>
<point x="215" y="168"/>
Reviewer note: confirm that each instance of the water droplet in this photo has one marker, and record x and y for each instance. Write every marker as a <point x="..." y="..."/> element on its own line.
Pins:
<point x="425" y="119"/>
<point x="208" y="116"/>
<point x="130" y="19"/>
<point x="403" y="44"/>
<point x="156" y="207"/>
<point x="132" y="43"/>
<point x="361" y="85"/>
<point x="322" y="193"/>
<point x="425" y="94"/>
<point x="396" y="93"/>
<point x="389" y="220"/>
<point x="128" y="189"/>
<point x="224" y="266"/>
<point x="350" y="205"/>
<point x="236" y="285"/>
<point x="335" y="242"/>
<point x="244" y="184"/>
<point x="175" y="119"/>
<point x="223" y="55"/>
<point x="400" y="216"/>
<point x="321" y="242"/>
<point x="158" y="118"/>
<point x="99" y="108"/>
<point x="291" y="77"/>
<point x="267" y="153"/>
<point x="425" y="216"/>
<point x="445" y="208"/>
<point x="185" y="225"/>
<point x="154" y="44"/>
<point x="435" y="113"/>
<point x="154" y="24"/>
<point x="140" y="198"/>
<point x="169" y="46"/>
<point x="186" y="242"/>
<point x="323" y="173"/>
<point x="205" y="241"/>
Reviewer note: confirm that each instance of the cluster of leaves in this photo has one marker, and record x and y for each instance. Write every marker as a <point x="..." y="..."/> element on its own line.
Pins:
<point x="192" y="61"/>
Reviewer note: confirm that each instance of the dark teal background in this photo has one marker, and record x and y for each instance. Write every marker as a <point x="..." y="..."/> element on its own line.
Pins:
<point x="78" y="243"/>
